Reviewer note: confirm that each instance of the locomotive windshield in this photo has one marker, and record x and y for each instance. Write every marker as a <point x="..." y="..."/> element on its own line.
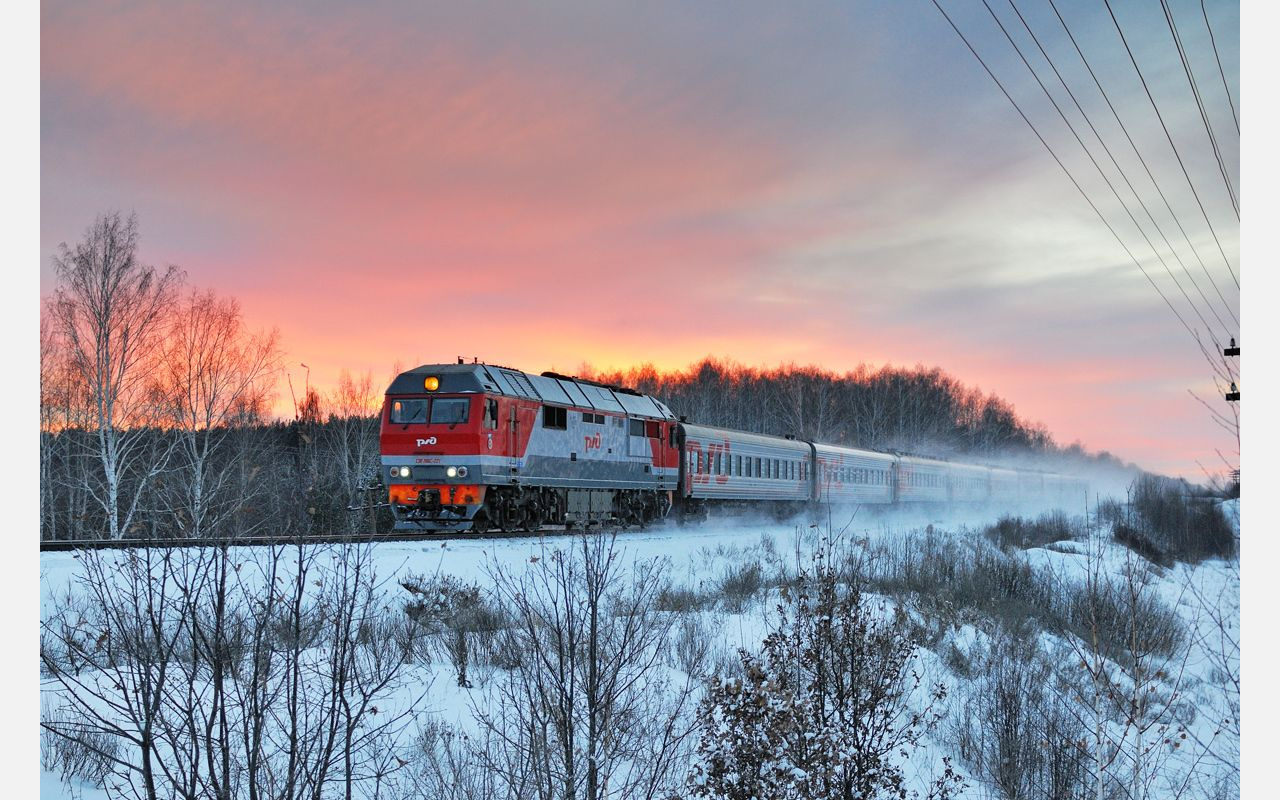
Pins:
<point x="449" y="412"/>
<point x="407" y="411"/>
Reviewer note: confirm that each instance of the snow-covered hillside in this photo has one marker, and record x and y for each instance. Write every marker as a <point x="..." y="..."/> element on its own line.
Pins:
<point x="1149" y="690"/>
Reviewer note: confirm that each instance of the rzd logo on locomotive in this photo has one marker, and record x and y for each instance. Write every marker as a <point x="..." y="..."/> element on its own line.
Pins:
<point x="430" y="440"/>
<point x="592" y="442"/>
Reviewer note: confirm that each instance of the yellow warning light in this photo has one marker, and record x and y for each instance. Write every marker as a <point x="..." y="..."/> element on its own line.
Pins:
<point x="432" y="383"/>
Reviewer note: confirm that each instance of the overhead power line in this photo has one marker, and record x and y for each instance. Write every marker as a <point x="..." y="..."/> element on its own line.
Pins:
<point x="1190" y="184"/>
<point x="1063" y="167"/>
<point x="1143" y="161"/>
<point x="1204" y="116"/>
<point x="1217" y="58"/>
<point x="1136" y="195"/>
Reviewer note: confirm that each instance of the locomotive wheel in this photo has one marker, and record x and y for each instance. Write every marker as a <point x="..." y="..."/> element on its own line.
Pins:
<point x="533" y="516"/>
<point x="505" y="515"/>
<point x="480" y="522"/>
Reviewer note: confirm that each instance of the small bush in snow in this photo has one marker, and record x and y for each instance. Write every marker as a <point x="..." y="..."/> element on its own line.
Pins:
<point x="681" y="600"/>
<point x="1022" y="534"/>
<point x="740" y="584"/>
<point x="824" y="711"/>
<point x="74" y="749"/>
<point x="1017" y="736"/>
<point x="456" y="614"/>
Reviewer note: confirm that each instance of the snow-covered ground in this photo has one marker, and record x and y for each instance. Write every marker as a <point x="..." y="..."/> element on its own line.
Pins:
<point x="1205" y="597"/>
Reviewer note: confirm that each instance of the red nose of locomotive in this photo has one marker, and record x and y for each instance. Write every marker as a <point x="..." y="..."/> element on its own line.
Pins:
<point x="436" y="427"/>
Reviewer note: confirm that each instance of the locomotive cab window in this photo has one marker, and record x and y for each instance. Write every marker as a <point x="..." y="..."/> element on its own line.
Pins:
<point x="490" y="416"/>
<point x="555" y="417"/>
<point x="408" y="411"/>
<point x="449" y="411"/>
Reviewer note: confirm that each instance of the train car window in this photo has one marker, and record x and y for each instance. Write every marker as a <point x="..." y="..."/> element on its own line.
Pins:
<point x="737" y="465"/>
<point x="592" y="419"/>
<point x="408" y="411"/>
<point x="636" y="427"/>
<point x="756" y="470"/>
<point x="555" y="417"/>
<point x="671" y="436"/>
<point x="449" y="411"/>
<point x="490" y="418"/>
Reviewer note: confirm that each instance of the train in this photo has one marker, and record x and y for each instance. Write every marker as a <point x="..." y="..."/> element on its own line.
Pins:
<point x="478" y="447"/>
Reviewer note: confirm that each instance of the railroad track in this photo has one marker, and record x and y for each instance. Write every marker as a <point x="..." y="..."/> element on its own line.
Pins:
<point x="252" y="541"/>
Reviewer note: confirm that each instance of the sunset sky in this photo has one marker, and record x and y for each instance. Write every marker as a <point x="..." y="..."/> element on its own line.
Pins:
<point x="549" y="184"/>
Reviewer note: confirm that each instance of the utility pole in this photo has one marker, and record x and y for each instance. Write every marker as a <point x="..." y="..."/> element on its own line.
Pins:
<point x="1233" y="396"/>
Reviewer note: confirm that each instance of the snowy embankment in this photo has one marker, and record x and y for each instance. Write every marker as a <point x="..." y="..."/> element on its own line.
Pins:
<point x="722" y="579"/>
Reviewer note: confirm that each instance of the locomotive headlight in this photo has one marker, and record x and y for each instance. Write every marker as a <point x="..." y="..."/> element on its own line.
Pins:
<point x="431" y="383"/>
<point x="452" y="472"/>
<point x="462" y="472"/>
<point x="401" y="472"/>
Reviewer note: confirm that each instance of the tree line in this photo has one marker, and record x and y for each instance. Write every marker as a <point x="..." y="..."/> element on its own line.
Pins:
<point x="920" y="410"/>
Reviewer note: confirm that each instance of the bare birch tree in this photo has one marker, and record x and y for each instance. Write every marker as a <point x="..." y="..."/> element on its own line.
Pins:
<point x="213" y="375"/>
<point x="109" y="310"/>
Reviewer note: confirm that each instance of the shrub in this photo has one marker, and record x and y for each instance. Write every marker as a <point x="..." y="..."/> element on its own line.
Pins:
<point x="1141" y="544"/>
<point x="681" y="600"/>
<point x="1188" y="526"/>
<point x="740" y="584"/>
<point x="1019" y="533"/>
<point x="74" y="749"/>
<point x="1124" y="619"/>
<point x="824" y="710"/>
<point x="458" y="615"/>
<point x="1014" y="734"/>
